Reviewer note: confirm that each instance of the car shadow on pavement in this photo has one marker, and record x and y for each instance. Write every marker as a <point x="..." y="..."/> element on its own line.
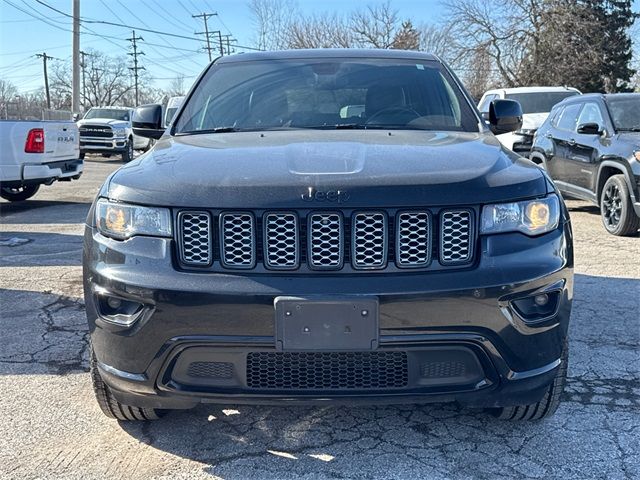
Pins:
<point x="43" y="211"/>
<point x="40" y="249"/>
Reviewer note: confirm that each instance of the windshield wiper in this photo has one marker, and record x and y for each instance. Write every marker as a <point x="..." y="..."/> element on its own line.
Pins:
<point x="635" y="128"/>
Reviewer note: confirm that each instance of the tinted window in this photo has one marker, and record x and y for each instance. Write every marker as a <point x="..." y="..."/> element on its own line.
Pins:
<point x="569" y="117"/>
<point x="112" y="113"/>
<point x="625" y="112"/>
<point x="299" y="93"/>
<point x="591" y="114"/>
<point x="541" y="102"/>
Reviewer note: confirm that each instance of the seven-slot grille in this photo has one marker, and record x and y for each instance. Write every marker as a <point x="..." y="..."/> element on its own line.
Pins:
<point x="455" y="236"/>
<point x="281" y="240"/>
<point x="369" y="243"/>
<point x="326" y="244"/>
<point x="325" y="240"/>
<point x="237" y="240"/>
<point x="195" y="238"/>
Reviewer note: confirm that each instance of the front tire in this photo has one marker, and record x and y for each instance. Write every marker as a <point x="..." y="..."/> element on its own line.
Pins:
<point x="546" y="407"/>
<point x="127" y="155"/>
<point x="616" y="209"/>
<point x="111" y="407"/>
<point x="18" y="194"/>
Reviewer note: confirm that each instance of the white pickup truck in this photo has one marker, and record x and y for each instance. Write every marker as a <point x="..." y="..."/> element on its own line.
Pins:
<point x="107" y="130"/>
<point x="34" y="153"/>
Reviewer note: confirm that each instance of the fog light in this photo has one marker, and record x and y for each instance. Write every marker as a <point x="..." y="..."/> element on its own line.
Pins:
<point x="537" y="307"/>
<point x="118" y="310"/>
<point x="541" y="300"/>
<point x="116" y="303"/>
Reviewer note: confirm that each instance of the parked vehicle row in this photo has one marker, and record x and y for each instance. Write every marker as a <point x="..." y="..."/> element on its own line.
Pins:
<point x="36" y="153"/>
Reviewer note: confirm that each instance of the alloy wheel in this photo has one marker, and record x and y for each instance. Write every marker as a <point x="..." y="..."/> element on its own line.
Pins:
<point x="612" y="206"/>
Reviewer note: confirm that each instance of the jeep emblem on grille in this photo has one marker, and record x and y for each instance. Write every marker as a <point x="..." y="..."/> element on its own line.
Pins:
<point x="335" y="196"/>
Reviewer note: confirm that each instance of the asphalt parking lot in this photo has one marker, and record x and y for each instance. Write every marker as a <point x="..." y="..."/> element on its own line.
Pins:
<point x="51" y="427"/>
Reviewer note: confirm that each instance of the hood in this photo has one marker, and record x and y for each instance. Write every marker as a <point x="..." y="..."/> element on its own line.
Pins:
<point x="532" y="121"/>
<point x="103" y="121"/>
<point x="297" y="169"/>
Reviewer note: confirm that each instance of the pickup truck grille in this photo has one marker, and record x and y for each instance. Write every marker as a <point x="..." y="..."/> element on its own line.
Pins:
<point x="99" y="131"/>
<point x="333" y="240"/>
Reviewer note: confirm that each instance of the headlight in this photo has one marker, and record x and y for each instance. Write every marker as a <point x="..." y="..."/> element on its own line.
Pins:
<point x="122" y="221"/>
<point x="532" y="217"/>
<point x="119" y="132"/>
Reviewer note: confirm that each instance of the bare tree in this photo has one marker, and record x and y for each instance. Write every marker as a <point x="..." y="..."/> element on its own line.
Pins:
<point x="320" y="31"/>
<point x="272" y="21"/>
<point x="7" y="93"/>
<point x="375" y="26"/>
<point x="176" y="87"/>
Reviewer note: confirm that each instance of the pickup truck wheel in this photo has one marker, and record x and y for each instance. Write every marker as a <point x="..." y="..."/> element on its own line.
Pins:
<point x="17" y="194"/>
<point x="616" y="210"/>
<point x="544" y="408"/>
<point x="111" y="407"/>
<point x="127" y="155"/>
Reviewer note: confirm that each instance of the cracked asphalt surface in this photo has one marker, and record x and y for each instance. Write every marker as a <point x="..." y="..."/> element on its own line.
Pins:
<point x="51" y="427"/>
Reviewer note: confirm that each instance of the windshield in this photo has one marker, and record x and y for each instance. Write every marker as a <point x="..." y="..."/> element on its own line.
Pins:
<point x="112" y="113"/>
<point x="625" y="112"/>
<point x="540" y="102"/>
<point x="326" y="93"/>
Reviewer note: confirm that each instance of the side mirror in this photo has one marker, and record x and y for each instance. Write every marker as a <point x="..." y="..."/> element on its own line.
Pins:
<point x="147" y="121"/>
<point x="505" y="116"/>
<point x="589" y="129"/>
<point x="75" y="117"/>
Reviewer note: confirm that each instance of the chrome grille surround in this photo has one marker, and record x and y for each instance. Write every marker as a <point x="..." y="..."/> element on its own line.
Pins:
<point x="325" y="237"/>
<point x="369" y="244"/>
<point x="195" y="242"/>
<point x="413" y="239"/>
<point x="456" y="236"/>
<point x="237" y="240"/>
<point x="281" y="240"/>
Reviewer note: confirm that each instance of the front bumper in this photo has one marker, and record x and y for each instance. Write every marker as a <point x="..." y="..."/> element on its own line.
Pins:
<point x="102" y="145"/>
<point x="461" y="320"/>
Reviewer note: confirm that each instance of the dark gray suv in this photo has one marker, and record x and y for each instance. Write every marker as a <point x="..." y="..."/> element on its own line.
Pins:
<point x="328" y="226"/>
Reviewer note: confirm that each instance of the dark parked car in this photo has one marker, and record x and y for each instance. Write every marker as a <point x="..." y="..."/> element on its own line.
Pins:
<point x="328" y="226"/>
<point x="590" y="146"/>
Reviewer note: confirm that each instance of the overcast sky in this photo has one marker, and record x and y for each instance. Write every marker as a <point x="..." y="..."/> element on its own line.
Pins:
<point x="28" y="27"/>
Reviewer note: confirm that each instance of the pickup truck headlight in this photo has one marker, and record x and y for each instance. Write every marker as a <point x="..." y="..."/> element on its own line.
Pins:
<point x="119" y="132"/>
<point x="531" y="217"/>
<point x="122" y="221"/>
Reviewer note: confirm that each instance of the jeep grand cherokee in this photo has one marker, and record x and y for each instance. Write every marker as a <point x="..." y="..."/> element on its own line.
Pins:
<point x="328" y="226"/>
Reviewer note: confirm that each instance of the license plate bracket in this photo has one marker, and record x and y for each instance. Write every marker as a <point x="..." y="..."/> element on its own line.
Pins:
<point x="326" y="324"/>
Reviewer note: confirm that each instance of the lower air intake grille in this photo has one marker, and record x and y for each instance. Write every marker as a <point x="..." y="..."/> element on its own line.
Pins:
<point x="327" y="370"/>
<point x="195" y="238"/>
<point x="456" y="236"/>
<point x="210" y="369"/>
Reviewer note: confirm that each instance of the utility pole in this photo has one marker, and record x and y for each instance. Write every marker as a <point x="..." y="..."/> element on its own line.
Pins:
<point x="75" y="76"/>
<point x="206" y="33"/>
<point x="83" y="65"/>
<point x="45" y="57"/>
<point x="228" y="41"/>
<point x="220" y="42"/>
<point x="135" y="67"/>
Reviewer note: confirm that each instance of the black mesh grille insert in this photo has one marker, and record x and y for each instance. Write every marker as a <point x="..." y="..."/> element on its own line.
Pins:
<point x="443" y="369"/>
<point x="210" y="369"/>
<point x="326" y="370"/>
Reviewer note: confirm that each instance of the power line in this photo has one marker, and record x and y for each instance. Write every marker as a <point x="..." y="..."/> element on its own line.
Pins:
<point x="135" y="55"/>
<point x="205" y="17"/>
<point x="44" y="58"/>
